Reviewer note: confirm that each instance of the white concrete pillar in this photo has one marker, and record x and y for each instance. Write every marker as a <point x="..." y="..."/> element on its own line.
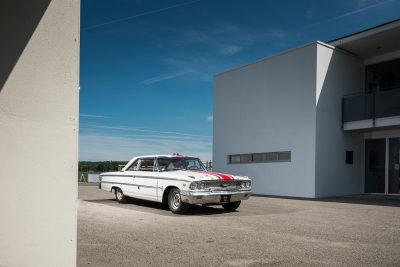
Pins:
<point x="39" y="77"/>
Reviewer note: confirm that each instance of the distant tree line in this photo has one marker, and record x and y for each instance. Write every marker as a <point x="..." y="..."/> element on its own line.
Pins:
<point x="99" y="166"/>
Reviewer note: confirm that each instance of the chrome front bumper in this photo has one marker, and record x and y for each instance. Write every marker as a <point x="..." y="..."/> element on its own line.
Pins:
<point x="213" y="197"/>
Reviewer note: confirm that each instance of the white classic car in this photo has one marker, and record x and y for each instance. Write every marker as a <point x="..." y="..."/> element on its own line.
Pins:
<point x="177" y="181"/>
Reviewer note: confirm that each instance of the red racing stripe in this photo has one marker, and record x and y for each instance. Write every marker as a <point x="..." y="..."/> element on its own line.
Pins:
<point x="220" y="176"/>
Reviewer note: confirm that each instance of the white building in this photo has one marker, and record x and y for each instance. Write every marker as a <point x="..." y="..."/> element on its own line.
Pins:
<point x="315" y="121"/>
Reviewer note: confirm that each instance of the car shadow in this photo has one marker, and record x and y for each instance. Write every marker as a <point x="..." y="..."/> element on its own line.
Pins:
<point x="374" y="200"/>
<point x="363" y="199"/>
<point x="161" y="209"/>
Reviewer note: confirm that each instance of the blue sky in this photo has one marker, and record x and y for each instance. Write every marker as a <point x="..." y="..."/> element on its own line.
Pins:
<point x="146" y="70"/>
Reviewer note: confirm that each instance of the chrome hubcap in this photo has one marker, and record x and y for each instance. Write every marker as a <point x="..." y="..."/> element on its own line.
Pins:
<point x="175" y="200"/>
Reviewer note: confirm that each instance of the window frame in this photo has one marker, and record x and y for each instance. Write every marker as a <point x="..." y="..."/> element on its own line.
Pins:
<point x="139" y="162"/>
<point x="133" y="163"/>
<point x="266" y="155"/>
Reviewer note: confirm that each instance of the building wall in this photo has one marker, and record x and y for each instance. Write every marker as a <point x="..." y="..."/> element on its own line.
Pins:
<point x="39" y="132"/>
<point x="269" y="106"/>
<point x="338" y="74"/>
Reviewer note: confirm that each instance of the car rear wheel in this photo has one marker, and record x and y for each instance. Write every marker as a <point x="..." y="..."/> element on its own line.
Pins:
<point x="231" y="205"/>
<point x="119" y="195"/>
<point x="175" y="203"/>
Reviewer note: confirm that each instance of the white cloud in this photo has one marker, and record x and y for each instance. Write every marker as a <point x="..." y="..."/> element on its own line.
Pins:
<point x="229" y="50"/>
<point x="210" y="118"/>
<point x="93" y="116"/>
<point x="311" y="12"/>
<point x="167" y="76"/>
<point x="361" y="7"/>
<point x="96" y="147"/>
<point x="143" y="130"/>
<point x="363" y="3"/>
<point x="225" y="38"/>
<point x="113" y="142"/>
<point x="222" y="40"/>
<point x="150" y="12"/>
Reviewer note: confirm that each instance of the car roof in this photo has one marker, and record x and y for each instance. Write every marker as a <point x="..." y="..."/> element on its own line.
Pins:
<point x="174" y="155"/>
<point x="164" y="156"/>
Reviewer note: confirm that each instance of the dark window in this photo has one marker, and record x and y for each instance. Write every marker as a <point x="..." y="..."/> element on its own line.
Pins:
<point x="272" y="156"/>
<point x="284" y="156"/>
<point x="246" y="158"/>
<point x="349" y="157"/>
<point x="146" y="165"/>
<point x="234" y="159"/>
<point x="383" y="76"/>
<point x="260" y="157"/>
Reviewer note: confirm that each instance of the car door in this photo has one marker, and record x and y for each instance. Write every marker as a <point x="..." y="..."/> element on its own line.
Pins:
<point x="145" y="182"/>
<point x="130" y="182"/>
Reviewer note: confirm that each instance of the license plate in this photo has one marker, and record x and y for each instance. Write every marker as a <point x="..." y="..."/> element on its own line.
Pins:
<point x="225" y="198"/>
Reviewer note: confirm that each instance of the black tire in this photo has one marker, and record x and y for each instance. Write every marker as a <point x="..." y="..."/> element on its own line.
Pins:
<point x="175" y="203"/>
<point x="231" y="205"/>
<point x="119" y="195"/>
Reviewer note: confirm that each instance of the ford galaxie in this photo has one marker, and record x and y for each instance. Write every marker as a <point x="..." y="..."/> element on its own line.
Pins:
<point x="176" y="181"/>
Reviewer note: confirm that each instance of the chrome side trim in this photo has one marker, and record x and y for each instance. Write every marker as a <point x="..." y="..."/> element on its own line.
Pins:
<point x="142" y="176"/>
<point x="115" y="175"/>
<point x="161" y="178"/>
<point x="139" y="185"/>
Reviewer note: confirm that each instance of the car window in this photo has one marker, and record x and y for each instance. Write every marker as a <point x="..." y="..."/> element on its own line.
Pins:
<point x="134" y="166"/>
<point x="180" y="163"/>
<point x="163" y="163"/>
<point x="193" y="164"/>
<point x="146" y="165"/>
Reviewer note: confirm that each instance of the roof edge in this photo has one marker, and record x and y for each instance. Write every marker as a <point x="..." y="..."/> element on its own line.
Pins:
<point x="364" y="31"/>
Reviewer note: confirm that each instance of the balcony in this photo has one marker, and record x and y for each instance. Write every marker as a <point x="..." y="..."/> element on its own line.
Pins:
<point x="371" y="110"/>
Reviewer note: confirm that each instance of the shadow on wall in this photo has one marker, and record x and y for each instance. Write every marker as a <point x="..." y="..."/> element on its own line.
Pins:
<point x="18" y="21"/>
<point x="340" y="74"/>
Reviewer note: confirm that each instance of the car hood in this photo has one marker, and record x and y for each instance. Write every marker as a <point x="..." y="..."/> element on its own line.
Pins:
<point x="206" y="175"/>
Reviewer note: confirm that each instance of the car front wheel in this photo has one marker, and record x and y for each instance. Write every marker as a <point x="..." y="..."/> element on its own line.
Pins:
<point x="175" y="203"/>
<point x="231" y="205"/>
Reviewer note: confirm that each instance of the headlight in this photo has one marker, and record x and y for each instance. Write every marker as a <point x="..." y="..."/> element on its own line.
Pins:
<point x="193" y="186"/>
<point x="201" y="186"/>
<point x="197" y="186"/>
<point x="243" y="184"/>
<point x="248" y="184"/>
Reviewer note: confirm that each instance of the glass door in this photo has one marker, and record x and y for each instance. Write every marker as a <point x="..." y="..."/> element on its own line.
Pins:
<point x="375" y="160"/>
<point x="394" y="166"/>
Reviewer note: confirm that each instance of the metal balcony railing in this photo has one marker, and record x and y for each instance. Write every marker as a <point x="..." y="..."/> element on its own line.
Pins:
<point x="367" y="106"/>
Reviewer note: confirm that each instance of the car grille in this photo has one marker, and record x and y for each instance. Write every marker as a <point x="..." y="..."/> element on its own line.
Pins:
<point x="223" y="184"/>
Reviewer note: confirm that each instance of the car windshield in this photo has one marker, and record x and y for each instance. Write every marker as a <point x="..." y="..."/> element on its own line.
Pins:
<point x="181" y="163"/>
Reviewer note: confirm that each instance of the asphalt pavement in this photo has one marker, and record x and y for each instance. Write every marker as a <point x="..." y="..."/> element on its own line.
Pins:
<point x="265" y="231"/>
